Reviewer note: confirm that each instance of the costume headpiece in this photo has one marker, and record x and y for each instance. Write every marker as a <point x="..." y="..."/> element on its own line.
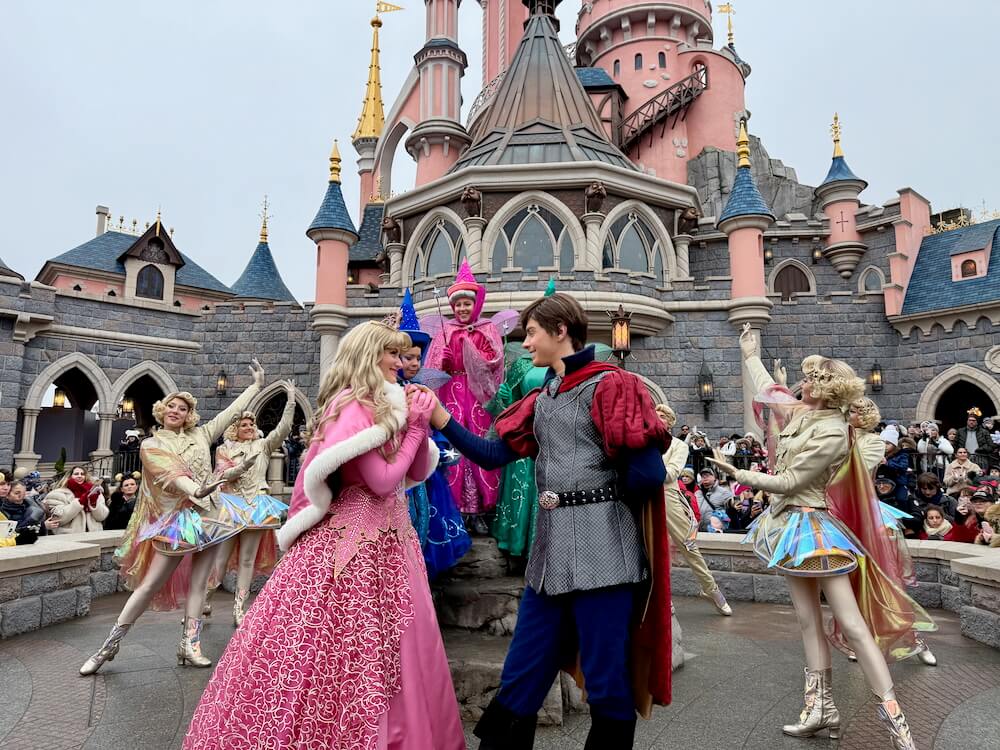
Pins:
<point x="390" y="321"/>
<point x="410" y="324"/>
<point x="467" y="287"/>
<point x="551" y="288"/>
<point x="976" y="412"/>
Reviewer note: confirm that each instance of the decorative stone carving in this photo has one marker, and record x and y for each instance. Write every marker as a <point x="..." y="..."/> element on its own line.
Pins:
<point x="596" y="195"/>
<point x="845" y="256"/>
<point x="472" y="201"/>
<point x="687" y="220"/>
<point x="993" y="359"/>
<point x="391" y="228"/>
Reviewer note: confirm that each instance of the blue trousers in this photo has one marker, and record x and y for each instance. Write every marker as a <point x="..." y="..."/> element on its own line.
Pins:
<point x="600" y="619"/>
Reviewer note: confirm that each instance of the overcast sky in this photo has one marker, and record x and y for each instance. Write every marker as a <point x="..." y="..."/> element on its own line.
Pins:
<point x="203" y="107"/>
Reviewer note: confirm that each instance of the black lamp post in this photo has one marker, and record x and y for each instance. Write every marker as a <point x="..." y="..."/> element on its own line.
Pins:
<point x="221" y="383"/>
<point x="706" y="388"/>
<point x="621" y="333"/>
<point x="876" y="378"/>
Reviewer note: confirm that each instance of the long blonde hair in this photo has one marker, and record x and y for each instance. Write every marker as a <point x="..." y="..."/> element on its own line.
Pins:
<point x="356" y="367"/>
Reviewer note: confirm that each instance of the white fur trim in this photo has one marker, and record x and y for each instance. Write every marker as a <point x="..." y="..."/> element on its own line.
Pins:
<point x="433" y="458"/>
<point x="329" y="460"/>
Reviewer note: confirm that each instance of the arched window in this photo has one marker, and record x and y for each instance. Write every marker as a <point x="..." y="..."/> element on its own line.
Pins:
<point x="631" y="245"/>
<point x="440" y="250"/>
<point x="968" y="268"/>
<point x="617" y="68"/>
<point x="871" y="281"/>
<point x="638" y="61"/>
<point x="662" y="59"/>
<point x="658" y="264"/>
<point x="149" y="283"/>
<point x="532" y="239"/>
<point x="789" y="281"/>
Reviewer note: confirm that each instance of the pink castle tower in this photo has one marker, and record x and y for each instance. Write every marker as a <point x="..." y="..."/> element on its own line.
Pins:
<point x="503" y="27"/>
<point x="439" y="136"/>
<point x="838" y="199"/>
<point x="333" y="232"/>
<point x="682" y="94"/>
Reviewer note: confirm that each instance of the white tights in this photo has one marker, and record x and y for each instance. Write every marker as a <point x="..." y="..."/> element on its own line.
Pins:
<point x="840" y="596"/>
<point x="160" y="569"/>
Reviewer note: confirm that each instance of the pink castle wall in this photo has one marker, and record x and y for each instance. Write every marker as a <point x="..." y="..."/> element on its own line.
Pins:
<point x="331" y="272"/>
<point x="746" y="262"/>
<point x="915" y="211"/>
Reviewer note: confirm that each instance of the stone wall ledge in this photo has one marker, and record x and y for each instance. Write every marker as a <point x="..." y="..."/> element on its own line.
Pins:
<point x="55" y="579"/>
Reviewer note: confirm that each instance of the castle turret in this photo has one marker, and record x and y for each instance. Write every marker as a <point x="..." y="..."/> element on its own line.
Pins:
<point x="370" y="123"/>
<point x="439" y="137"/>
<point x="744" y="220"/>
<point x="261" y="279"/>
<point x="839" y="201"/>
<point x="503" y="25"/>
<point x="682" y="94"/>
<point x="333" y="232"/>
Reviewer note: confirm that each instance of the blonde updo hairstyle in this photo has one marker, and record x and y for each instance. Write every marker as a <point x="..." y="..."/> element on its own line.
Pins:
<point x="668" y="415"/>
<point x="832" y="381"/>
<point x="160" y="408"/>
<point x="356" y="367"/>
<point x="868" y="413"/>
<point x="234" y="426"/>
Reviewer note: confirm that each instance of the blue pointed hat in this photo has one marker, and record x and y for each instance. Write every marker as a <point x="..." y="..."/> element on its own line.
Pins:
<point x="410" y="325"/>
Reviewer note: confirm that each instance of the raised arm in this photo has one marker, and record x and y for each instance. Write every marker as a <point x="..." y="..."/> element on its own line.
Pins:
<point x="214" y="427"/>
<point x="277" y="436"/>
<point x="827" y="447"/>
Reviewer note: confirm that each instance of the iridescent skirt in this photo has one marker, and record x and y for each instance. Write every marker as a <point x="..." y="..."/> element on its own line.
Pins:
<point x="266" y="512"/>
<point x="186" y="530"/>
<point x="804" y="542"/>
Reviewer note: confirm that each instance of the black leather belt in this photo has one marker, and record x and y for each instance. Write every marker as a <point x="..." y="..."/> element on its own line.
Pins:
<point x="551" y="500"/>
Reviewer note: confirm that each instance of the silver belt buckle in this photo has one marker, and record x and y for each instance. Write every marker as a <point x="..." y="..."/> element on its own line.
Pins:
<point x="548" y="500"/>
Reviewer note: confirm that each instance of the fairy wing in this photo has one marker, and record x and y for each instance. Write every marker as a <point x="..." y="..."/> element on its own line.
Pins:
<point x="484" y="373"/>
<point x="432" y="378"/>
<point x="432" y="325"/>
<point x="505" y="322"/>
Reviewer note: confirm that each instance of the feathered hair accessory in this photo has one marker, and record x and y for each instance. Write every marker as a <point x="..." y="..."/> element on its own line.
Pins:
<point x="976" y="412"/>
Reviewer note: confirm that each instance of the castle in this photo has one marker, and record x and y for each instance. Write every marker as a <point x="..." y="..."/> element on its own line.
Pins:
<point x="622" y="166"/>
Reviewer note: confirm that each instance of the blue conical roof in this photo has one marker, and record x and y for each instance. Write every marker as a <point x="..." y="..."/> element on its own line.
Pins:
<point x="261" y="279"/>
<point x="840" y="171"/>
<point x="332" y="212"/>
<point x="745" y="199"/>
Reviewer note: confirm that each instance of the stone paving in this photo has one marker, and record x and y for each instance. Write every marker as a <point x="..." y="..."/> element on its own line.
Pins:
<point x="740" y="683"/>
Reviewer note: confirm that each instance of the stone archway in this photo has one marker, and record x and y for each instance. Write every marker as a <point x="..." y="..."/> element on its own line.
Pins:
<point x="927" y="405"/>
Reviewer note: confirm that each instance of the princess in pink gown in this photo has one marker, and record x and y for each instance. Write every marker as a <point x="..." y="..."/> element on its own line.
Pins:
<point x="469" y="348"/>
<point x="342" y="649"/>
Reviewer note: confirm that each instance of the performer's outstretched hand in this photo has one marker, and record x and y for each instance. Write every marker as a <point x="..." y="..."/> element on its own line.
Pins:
<point x="780" y="373"/>
<point x="237" y="471"/>
<point x="258" y="373"/>
<point x="290" y="389"/>
<point x="208" y="488"/>
<point x="748" y="342"/>
<point x="720" y="462"/>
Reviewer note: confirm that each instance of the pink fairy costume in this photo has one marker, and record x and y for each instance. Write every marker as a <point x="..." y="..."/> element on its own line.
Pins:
<point x="472" y="353"/>
<point x="341" y="648"/>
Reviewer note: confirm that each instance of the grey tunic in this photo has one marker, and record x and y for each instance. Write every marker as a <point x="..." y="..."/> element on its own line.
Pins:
<point x="581" y="547"/>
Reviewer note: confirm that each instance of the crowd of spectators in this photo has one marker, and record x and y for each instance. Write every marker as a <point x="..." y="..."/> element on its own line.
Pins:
<point x="946" y="482"/>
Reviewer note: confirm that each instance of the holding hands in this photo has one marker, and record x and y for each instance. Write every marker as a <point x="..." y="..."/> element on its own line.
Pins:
<point x="420" y="404"/>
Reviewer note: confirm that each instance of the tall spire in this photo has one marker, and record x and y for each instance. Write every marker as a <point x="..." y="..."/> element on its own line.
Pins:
<point x="372" y="118"/>
<point x="743" y="146"/>
<point x="335" y="163"/>
<point x="729" y="10"/>
<point x="263" y="221"/>
<point x="835" y="132"/>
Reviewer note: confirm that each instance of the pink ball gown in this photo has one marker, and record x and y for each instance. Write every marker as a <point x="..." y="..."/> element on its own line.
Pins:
<point x="341" y="649"/>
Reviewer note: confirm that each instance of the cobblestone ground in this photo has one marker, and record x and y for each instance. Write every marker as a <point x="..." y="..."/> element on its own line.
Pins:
<point x="742" y="680"/>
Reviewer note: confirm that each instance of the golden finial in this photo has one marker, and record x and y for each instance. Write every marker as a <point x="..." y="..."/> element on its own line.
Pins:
<point x="372" y="119"/>
<point x="743" y="146"/>
<point x="729" y="10"/>
<point x="157" y="222"/>
<point x="835" y="132"/>
<point x="171" y="231"/>
<point x="264" y="216"/>
<point x="335" y="163"/>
